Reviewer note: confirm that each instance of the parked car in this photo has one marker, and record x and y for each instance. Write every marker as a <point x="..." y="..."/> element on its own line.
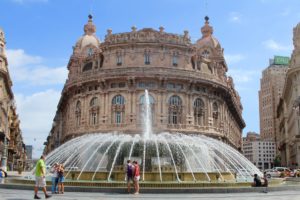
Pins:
<point x="272" y="173"/>
<point x="278" y="172"/>
<point x="295" y="173"/>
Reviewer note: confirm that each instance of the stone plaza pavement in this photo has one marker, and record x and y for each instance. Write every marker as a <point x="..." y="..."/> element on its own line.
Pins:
<point x="11" y="194"/>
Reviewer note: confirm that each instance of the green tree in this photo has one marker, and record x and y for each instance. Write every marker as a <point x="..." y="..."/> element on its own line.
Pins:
<point x="277" y="161"/>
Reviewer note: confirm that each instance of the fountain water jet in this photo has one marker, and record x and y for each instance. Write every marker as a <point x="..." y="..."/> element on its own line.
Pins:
<point x="147" y="117"/>
<point x="165" y="157"/>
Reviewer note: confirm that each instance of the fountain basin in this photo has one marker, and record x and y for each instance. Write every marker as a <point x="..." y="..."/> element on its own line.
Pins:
<point x="170" y="176"/>
<point x="164" y="157"/>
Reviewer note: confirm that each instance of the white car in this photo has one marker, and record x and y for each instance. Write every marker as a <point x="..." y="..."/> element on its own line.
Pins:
<point x="272" y="173"/>
<point x="278" y="172"/>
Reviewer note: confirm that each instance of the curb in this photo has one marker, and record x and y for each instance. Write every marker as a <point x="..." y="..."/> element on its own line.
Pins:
<point x="157" y="190"/>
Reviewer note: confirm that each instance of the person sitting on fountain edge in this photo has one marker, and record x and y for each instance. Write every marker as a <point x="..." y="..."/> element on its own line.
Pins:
<point x="129" y="174"/>
<point x="256" y="181"/>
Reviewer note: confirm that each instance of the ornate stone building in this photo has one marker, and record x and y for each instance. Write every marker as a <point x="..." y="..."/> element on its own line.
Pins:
<point x="12" y="147"/>
<point x="288" y="111"/>
<point x="188" y="86"/>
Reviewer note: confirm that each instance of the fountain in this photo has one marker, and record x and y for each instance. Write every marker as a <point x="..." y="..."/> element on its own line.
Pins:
<point x="164" y="157"/>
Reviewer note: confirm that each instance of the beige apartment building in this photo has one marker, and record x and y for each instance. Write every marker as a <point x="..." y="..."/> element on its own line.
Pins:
<point x="12" y="147"/>
<point x="260" y="152"/>
<point x="288" y="111"/>
<point x="189" y="89"/>
<point x="271" y="86"/>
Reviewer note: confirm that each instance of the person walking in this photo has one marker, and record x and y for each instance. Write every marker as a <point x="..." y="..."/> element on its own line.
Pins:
<point x="129" y="175"/>
<point x="136" y="177"/>
<point x="54" y="171"/>
<point x="40" y="178"/>
<point x="266" y="182"/>
<point x="61" y="179"/>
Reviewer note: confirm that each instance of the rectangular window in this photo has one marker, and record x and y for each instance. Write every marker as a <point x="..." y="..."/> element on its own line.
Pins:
<point x="146" y="85"/>
<point x="118" y="118"/>
<point x="174" y="118"/>
<point x="119" y="60"/>
<point x="170" y="85"/>
<point x="174" y="60"/>
<point x="122" y="85"/>
<point x="147" y="58"/>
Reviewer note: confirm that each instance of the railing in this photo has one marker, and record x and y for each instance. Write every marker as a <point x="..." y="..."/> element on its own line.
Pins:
<point x="150" y="71"/>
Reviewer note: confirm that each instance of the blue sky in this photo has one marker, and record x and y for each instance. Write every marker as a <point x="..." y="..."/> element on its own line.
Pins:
<point x="40" y="35"/>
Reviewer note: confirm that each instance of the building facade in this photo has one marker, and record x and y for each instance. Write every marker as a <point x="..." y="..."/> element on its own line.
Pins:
<point x="259" y="151"/>
<point x="288" y="111"/>
<point x="271" y="86"/>
<point x="12" y="147"/>
<point x="188" y="86"/>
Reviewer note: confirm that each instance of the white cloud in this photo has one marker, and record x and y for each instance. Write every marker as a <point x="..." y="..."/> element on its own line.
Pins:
<point x="235" y="17"/>
<point x="36" y="113"/>
<point x="243" y="76"/>
<point x="234" y="58"/>
<point x="275" y="46"/>
<point x="18" y="58"/>
<point x="30" y="69"/>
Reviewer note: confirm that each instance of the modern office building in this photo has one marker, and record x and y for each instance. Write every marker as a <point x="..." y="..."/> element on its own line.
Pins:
<point x="271" y="86"/>
<point x="260" y="152"/>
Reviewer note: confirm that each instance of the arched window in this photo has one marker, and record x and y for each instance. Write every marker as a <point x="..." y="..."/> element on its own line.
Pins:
<point x="175" y="110"/>
<point x="205" y="54"/>
<point x="193" y="62"/>
<point x="78" y="113"/>
<point x="88" y="66"/>
<point x="101" y="60"/>
<point x="118" y="109"/>
<point x="142" y="107"/>
<point x="199" y="112"/>
<point x="94" y="111"/>
<point x="90" y="52"/>
<point x="215" y="114"/>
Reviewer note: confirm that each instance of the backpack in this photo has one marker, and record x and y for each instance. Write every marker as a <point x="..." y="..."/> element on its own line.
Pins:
<point x="129" y="170"/>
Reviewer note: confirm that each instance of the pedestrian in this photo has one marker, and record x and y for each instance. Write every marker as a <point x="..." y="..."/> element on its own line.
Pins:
<point x="2" y="175"/>
<point x="136" y="177"/>
<point x="129" y="175"/>
<point x="266" y="182"/>
<point x="256" y="181"/>
<point x="54" y="171"/>
<point x="61" y="179"/>
<point x="40" y="178"/>
<point x="3" y="172"/>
